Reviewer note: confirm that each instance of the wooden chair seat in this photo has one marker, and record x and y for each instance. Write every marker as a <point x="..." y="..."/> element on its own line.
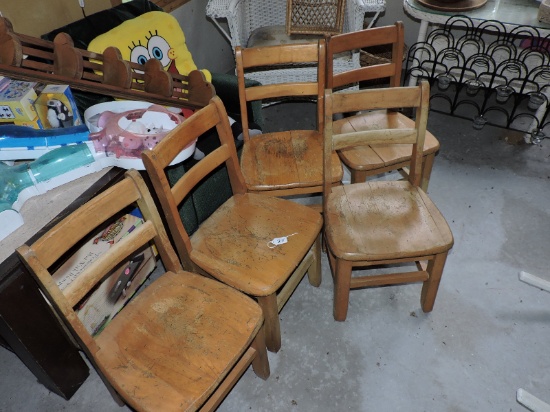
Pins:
<point x="221" y="246"/>
<point x="167" y="353"/>
<point x="402" y="222"/>
<point x="286" y="160"/>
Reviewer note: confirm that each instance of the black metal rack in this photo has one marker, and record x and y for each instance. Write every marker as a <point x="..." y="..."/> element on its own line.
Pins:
<point x="487" y="73"/>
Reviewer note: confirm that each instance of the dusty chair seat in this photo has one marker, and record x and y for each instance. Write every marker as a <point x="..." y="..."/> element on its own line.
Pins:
<point x="387" y="237"/>
<point x="286" y="160"/>
<point x="183" y="364"/>
<point x="225" y="226"/>
<point x="382" y="158"/>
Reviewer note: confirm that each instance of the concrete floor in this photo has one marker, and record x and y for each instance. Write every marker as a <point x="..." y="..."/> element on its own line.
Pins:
<point x="486" y="337"/>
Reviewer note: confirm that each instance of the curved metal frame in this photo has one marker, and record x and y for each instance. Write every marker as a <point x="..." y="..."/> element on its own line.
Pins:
<point x="487" y="73"/>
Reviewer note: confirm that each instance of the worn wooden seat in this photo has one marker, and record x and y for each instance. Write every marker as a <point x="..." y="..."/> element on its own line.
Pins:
<point x="285" y="162"/>
<point x="236" y="243"/>
<point x="180" y="344"/>
<point x="382" y="222"/>
<point x="368" y="161"/>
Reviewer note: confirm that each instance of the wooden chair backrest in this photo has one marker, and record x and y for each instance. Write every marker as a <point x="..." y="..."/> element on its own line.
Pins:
<point x="281" y="57"/>
<point x="416" y="97"/>
<point x="157" y="160"/>
<point x="79" y="225"/>
<point x="377" y="36"/>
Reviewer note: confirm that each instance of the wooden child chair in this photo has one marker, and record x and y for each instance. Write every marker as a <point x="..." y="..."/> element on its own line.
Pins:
<point x="382" y="222"/>
<point x="260" y="245"/>
<point x="182" y="342"/>
<point x="368" y="161"/>
<point x="287" y="162"/>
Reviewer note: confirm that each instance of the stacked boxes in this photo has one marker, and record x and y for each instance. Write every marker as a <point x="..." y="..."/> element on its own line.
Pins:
<point x="30" y="104"/>
<point x="17" y="101"/>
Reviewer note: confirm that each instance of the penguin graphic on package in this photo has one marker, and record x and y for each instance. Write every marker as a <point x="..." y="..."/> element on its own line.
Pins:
<point x="59" y="114"/>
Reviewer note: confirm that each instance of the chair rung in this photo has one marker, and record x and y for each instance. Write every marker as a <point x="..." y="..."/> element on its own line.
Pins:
<point x="234" y="375"/>
<point x="294" y="280"/>
<point x="389" y="279"/>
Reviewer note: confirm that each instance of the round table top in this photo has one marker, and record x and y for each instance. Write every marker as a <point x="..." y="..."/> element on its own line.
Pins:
<point x="511" y="13"/>
<point x="453" y="6"/>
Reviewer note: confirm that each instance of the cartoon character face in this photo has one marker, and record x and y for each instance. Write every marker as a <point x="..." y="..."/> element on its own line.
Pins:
<point x="155" y="34"/>
<point x="157" y="48"/>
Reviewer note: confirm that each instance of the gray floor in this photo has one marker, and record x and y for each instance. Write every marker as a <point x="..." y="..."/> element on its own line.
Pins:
<point x="487" y="336"/>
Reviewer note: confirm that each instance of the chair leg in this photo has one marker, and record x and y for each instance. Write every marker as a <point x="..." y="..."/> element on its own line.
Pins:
<point x="272" y="325"/>
<point x="342" y="282"/>
<point x="314" y="271"/>
<point x="358" y="176"/>
<point x="116" y="396"/>
<point x="430" y="286"/>
<point x="427" y="166"/>
<point x="260" y="364"/>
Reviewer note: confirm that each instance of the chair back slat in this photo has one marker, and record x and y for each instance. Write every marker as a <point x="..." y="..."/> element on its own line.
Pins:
<point x="379" y="36"/>
<point x="364" y="74"/>
<point x="416" y="97"/>
<point x="50" y="247"/>
<point x="357" y="39"/>
<point x="176" y="140"/>
<point x="281" y="90"/>
<point x="278" y="55"/>
<point x="94" y="273"/>
<point x="374" y="137"/>
<point x="397" y="97"/>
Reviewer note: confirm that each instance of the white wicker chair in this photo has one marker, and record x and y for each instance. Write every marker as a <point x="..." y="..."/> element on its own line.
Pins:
<point x="247" y="16"/>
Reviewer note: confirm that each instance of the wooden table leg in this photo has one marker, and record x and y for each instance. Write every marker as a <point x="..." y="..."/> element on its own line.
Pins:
<point x="30" y="329"/>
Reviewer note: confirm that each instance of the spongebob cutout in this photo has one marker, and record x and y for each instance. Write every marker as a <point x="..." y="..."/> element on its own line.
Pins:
<point x="153" y="35"/>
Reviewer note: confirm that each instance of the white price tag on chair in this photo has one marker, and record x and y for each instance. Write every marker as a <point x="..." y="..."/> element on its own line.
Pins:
<point x="279" y="240"/>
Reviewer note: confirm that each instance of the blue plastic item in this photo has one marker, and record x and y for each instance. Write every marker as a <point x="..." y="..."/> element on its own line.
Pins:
<point x="21" y="136"/>
<point x="14" y="179"/>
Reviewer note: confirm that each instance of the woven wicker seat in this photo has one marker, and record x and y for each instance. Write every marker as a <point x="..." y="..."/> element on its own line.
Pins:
<point x="324" y="17"/>
<point x="267" y="19"/>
